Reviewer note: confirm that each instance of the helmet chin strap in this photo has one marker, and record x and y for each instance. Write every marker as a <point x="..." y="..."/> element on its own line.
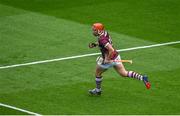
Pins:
<point x="100" y="32"/>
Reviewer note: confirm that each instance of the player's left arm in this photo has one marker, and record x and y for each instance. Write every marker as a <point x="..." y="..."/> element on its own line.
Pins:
<point x="110" y="53"/>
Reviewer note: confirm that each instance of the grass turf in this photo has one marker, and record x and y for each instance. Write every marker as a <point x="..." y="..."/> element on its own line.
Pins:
<point x="61" y="87"/>
<point x="155" y="20"/>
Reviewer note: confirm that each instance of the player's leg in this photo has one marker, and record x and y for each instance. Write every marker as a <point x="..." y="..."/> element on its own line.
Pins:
<point x="123" y="72"/>
<point x="131" y="74"/>
<point x="120" y="69"/>
<point x="98" y="79"/>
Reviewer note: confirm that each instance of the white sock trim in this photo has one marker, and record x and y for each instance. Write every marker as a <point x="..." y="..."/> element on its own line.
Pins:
<point x="99" y="79"/>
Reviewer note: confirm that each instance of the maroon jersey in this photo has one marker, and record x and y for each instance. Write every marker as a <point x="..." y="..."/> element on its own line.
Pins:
<point x="103" y="40"/>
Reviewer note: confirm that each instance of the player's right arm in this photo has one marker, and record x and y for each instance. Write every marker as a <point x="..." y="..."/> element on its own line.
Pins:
<point x="93" y="44"/>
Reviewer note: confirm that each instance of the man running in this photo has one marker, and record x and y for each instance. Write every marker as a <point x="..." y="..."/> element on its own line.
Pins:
<point x="108" y="58"/>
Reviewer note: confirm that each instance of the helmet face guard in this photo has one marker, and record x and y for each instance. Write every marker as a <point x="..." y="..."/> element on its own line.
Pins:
<point x="95" y="32"/>
<point x="97" y="29"/>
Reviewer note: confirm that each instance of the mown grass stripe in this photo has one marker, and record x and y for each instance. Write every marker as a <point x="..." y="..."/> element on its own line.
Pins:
<point x="86" y="55"/>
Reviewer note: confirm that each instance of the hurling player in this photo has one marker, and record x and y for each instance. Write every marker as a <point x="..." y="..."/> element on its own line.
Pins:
<point x="106" y="60"/>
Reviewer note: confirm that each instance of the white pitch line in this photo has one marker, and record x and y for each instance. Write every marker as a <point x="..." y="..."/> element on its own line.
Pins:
<point x="149" y="46"/>
<point x="19" y="109"/>
<point x="85" y="55"/>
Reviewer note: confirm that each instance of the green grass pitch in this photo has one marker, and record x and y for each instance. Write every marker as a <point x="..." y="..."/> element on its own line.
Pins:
<point x="33" y="30"/>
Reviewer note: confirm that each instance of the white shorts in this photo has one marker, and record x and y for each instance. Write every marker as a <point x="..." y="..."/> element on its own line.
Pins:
<point x="100" y="60"/>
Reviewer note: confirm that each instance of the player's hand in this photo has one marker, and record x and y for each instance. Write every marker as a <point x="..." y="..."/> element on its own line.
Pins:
<point x="107" y="61"/>
<point x="92" y="45"/>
